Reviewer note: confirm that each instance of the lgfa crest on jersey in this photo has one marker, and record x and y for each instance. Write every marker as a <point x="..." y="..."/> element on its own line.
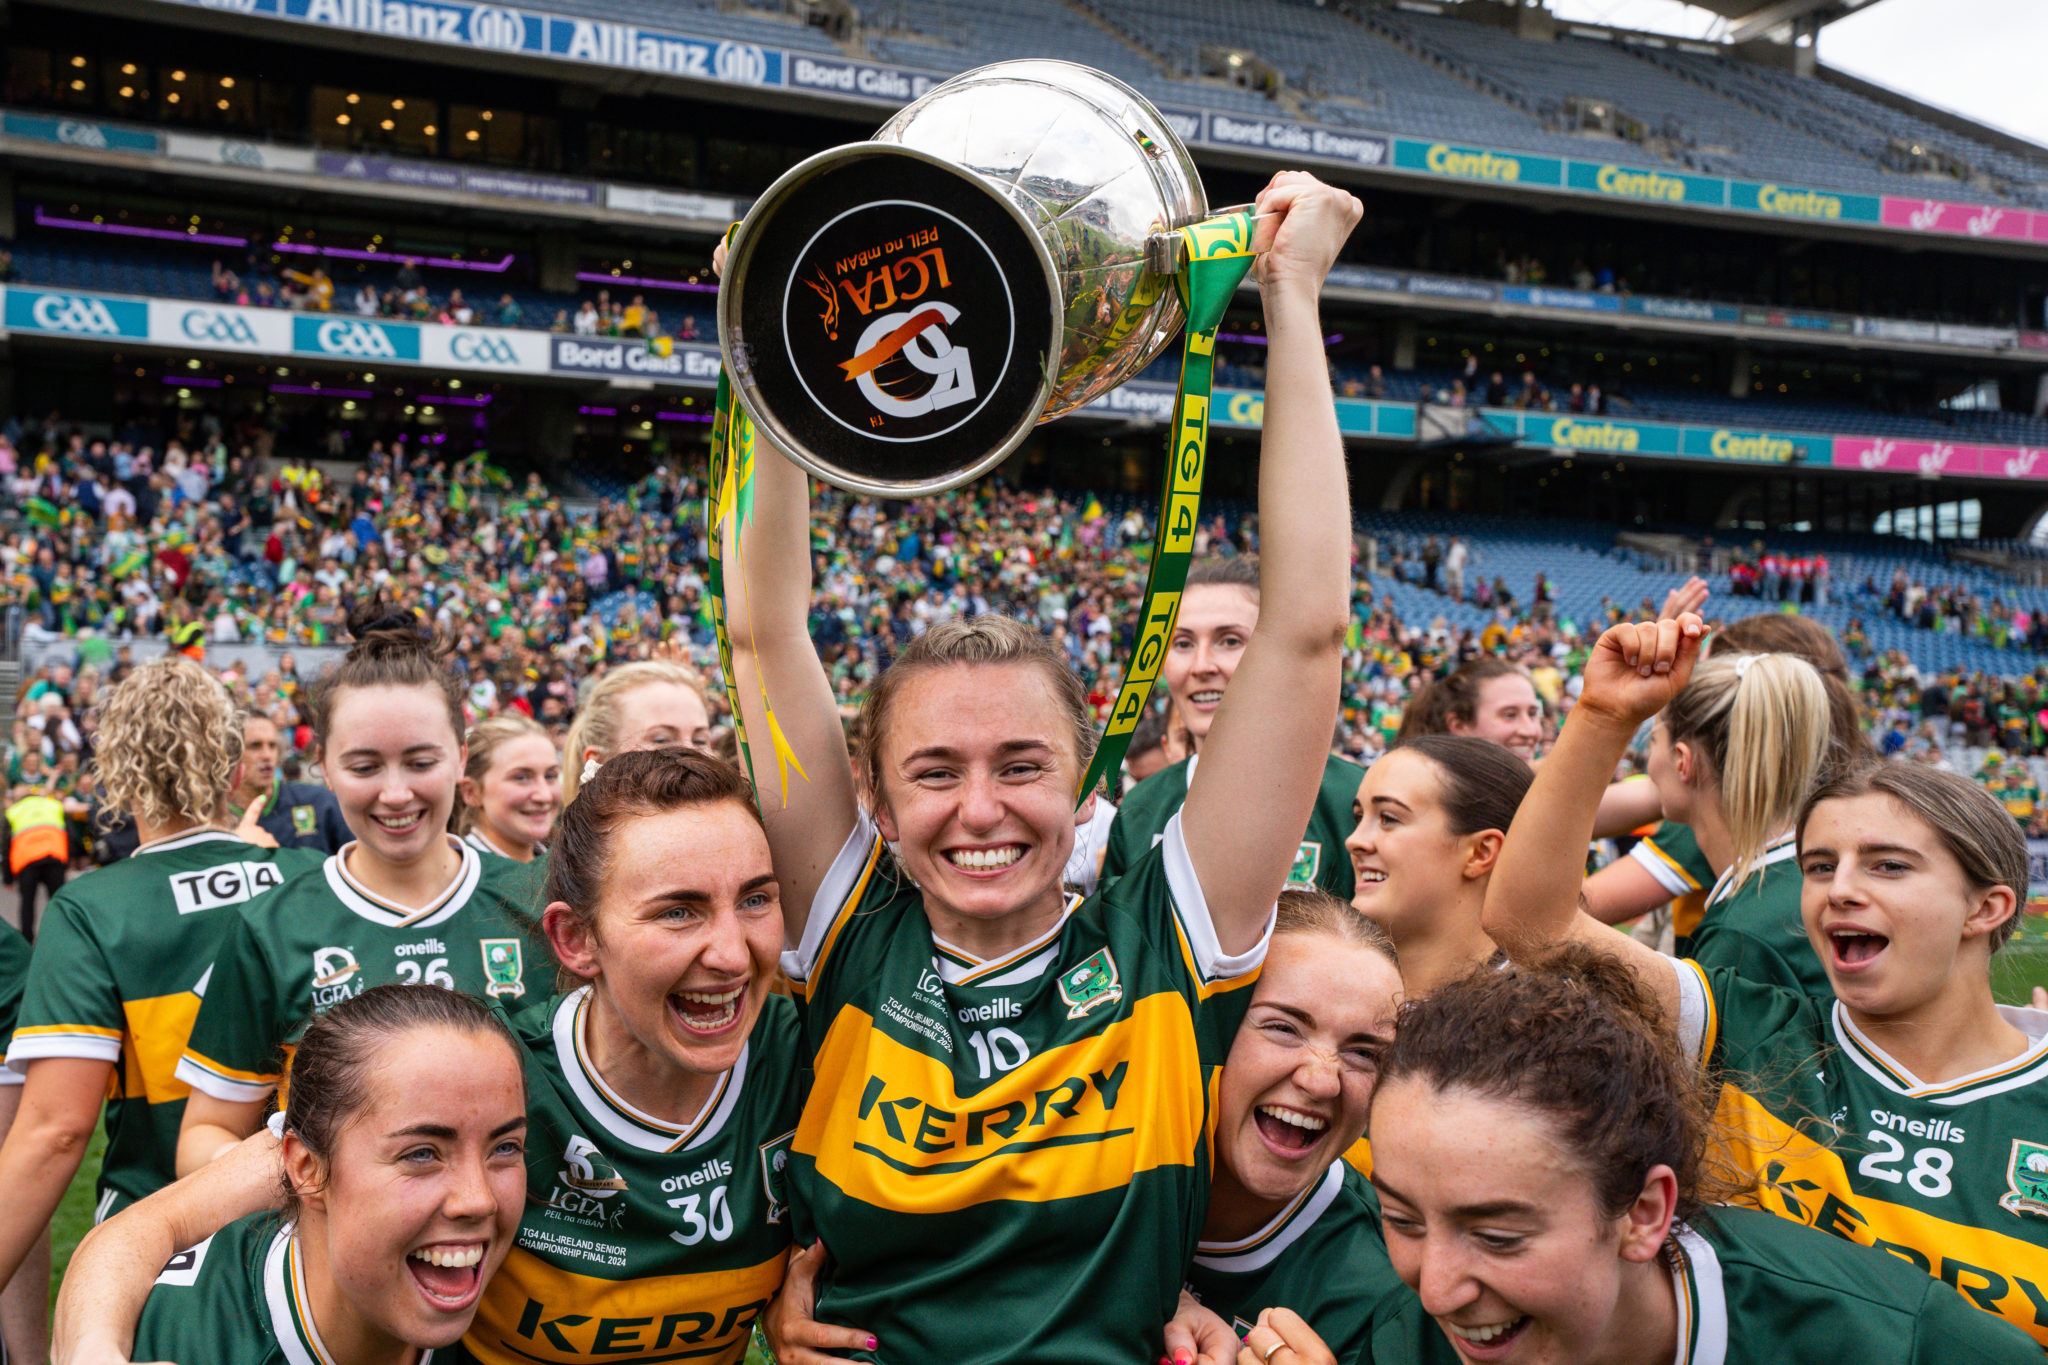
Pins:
<point x="333" y="971"/>
<point x="1091" y="985"/>
<point x="504" y="966"/>
<point x="1308" y="860"/>
<point x="2026" y="1175"/>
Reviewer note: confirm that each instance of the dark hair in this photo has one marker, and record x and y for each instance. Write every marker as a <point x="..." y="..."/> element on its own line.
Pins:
<point x="1773" y="632"/>
<point x="1148" y="734"/>
<point x="1431" y="710"/>
<point x="391" y="649"/>
<point x="1972" y="826"/>
<point x="332" y="1065"/>
<point x="636" y="783"/>
<point x="1483" y="784"/>
<point x="1238" y="571"/>
<point x="1580" y="1041"/>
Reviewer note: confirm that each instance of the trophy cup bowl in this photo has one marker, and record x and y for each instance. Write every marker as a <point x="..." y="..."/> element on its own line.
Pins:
<point x="898" y="314"/>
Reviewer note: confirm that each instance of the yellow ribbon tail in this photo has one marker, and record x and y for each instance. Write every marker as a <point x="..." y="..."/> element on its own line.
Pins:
<point x="785" y="753"/>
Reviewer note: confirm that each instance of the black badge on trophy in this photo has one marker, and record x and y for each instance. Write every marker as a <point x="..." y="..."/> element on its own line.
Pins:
<point x="891" y="316"/>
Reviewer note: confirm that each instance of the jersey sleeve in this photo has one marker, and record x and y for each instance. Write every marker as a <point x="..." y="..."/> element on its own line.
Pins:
<point x="1670" y="872"/>
<point x="1213" y="967"/>
<point x="1729" y="1020"/>
<point x="853" y="876"/>
<point x="1949" y="1328"/>
<point x="1714" y="944"/>
<point x="235" y="1051"/>
<point x="72" y="1005"/>
<point x="14" y="963"/>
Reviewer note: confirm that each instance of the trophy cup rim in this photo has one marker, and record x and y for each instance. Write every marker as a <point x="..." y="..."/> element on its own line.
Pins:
<point x="731" y="292"/>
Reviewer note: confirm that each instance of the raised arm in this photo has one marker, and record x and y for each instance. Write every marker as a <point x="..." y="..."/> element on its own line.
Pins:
<point x="1532" y="899"/>
<point x="111" y="1272"/>
<point x="768" y="603"/>
<point x="1263" y="760"/>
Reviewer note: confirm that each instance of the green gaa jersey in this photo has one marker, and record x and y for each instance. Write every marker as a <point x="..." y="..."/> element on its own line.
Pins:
<point x="643" y="1239"/>
<point x="326" y="937"/>
<point x="1325" y="1258"/>
<point x="120" y="958"/>
<point x="1755" y="1290"/>
<point x="1009" y="1160"/>
<point x="238" y="1298"/>
<point x="1672" y="855"/>
<point x="1950" y="1177"/>
<point x="1757" y="932"/>
<point x="476" y="840"/>
<point x="14" y="959"/>
<point x="1320" y="861"/>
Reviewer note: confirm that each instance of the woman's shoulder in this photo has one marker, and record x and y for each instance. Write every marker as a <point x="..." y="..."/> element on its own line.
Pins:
<point x="212" y="1301"/>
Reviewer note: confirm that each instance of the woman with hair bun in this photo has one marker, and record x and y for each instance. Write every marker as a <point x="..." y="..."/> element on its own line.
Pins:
<point x="111" y="991"/>
<point x="404" y="1178"/>
<point x="511" y="788"/>
<point x="1549" y="1192"/>
<point x="405" y="902"/>
<point x="1906" y="1111"/>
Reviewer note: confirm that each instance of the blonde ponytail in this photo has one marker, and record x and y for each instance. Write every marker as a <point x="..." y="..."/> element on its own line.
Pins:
<point x="1762" y="722"/>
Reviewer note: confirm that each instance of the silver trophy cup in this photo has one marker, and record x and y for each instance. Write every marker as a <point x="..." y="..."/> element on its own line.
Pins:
<point x="899" y="314"/>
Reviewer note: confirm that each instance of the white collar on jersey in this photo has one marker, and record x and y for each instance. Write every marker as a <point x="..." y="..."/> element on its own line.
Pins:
<point x="1785" y="846"/>
<point x="481" y="842"/>
<point x="622" y="1120"/>
<point x="291" y="1316"/>
<point x="1702" y="1301"/>
<point x="2011" y="1074"/>
<point x="366" y="903"/>
<point x="205" y="834"/>
<point x="1261" y="1248"/>
<point x="958" y="967"/>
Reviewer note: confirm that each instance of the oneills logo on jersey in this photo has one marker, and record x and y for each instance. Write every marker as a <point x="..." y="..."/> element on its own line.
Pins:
<point x="504" y="967"/>
<point x="335" y="976"/>
<point x="2026" y="1176"/>
<point x="1091" y="985"/>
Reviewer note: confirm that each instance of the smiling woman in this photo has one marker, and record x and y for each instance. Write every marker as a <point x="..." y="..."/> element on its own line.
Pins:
<point x="404" y="1164"/>
<point x="406" y="902"/>
<point x="511" y="788"/>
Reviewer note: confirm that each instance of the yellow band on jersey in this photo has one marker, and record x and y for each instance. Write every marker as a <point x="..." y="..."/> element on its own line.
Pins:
<point x="534" y="1311"/>
<point x="2000" y="1274"/>
<point x="899" y="1136"/>
<point x="157" y="1030"/>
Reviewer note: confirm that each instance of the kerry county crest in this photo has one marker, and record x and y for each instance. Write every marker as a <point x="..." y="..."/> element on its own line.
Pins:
<point x="504" y="966"/>
<point x="1091" y="985"/>
<point x="2026" y="1175"/>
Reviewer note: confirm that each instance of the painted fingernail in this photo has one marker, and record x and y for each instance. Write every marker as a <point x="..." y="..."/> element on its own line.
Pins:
<point x="871" y="1343"/>
<point x="1183" y="1357"/>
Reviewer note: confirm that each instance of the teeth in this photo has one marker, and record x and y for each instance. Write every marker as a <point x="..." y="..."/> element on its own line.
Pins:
<point x="1482" y="1335"/>
<point x="451" y="1257"/>
<point x="1369" y="875"/>
<point x="713" y="998"/>
<point x="1205" y="698"/>
<point x="398" y="821"/>
<point x="1299" y="1120"/>
<point x="985" y="859"/>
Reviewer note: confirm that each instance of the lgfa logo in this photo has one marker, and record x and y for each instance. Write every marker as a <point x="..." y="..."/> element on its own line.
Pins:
<point x="74" y="313"/>
<point x="335" y="976"/>
<point x="908" y="334"/>
<point x="355" y="338"/>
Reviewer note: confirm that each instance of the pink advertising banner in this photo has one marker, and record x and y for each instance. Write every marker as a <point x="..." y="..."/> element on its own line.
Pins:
<point x="1963" y="220"/>
<point x="1941" y="457"/>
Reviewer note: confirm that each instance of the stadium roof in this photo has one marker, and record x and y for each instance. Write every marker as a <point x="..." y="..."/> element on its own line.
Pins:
<point x="1750" y="19"/>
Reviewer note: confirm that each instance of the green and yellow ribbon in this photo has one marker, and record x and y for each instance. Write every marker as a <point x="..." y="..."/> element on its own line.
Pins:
<point x="1216" y="254"/>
